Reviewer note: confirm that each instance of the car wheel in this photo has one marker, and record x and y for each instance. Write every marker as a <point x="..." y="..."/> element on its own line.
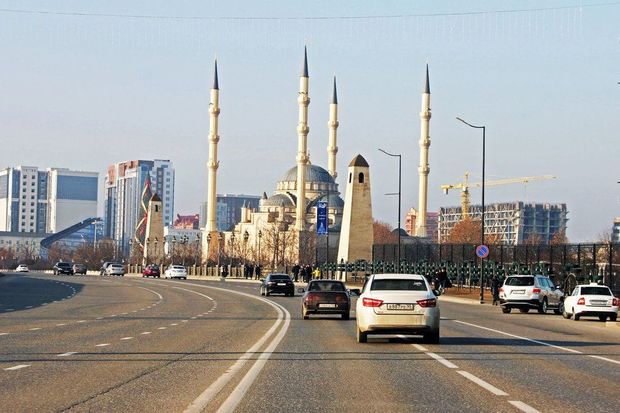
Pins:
<point x="345" y="315"/>
<point x="613" y="317"/>
<point x="267" y="293"/>
<point x="542" y="308"/>
<point x="602" y="317"/>
<point x="432" y="337"/>
<point x="506" y="310"/>
<point x="524" y="310"/>
<point x="565" y="314"/>
<point x="577" y="316"/>
<point x="560" y="308"/>
<point x="361" y="336"/>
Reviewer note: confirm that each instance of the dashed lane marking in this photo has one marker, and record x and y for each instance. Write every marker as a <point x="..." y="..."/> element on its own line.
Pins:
<point x="18" y="367"/>
<point x="605" y="359"/>
<point x="174" y="324"/>
<point x="70" y="353"/>
<point x="60" y="324"/>
<point x="442" y="360"/>
<point x="34" y="328"/>
<point x="523" y="407"/>
<point x="126" y="338"/>
<point x="419" y="347"/>
<point x="4" y="334"/>
<point x="102" y="345"/>
<point x="162" y="328"/>
<point x="145" y="333"/>
<point x="82" y="321"/>
<point x="482" y="383"/>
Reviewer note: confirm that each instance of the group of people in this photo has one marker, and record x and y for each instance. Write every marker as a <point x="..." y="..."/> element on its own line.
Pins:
<point x="305" y="272"/>
<point x="441" y="281"/>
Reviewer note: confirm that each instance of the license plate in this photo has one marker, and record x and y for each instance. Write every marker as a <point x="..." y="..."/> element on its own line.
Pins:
<point x="400" y="306"/>
<point x="281" y="283"/>
<point x="518" y="291"/>
<point x="327" y="305"/>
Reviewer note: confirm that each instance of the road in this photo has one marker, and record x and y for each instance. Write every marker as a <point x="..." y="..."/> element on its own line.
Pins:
<point x="135" y="345"/>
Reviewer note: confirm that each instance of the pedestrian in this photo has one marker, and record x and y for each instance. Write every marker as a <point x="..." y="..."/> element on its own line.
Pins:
<point x="296" y="269"/>
<point x="495" y="289"/>
<point x="307" y="273"/>
<point x="257" y="271"/>
<point x="316" y="273"/>
<point x="225" y="271"/>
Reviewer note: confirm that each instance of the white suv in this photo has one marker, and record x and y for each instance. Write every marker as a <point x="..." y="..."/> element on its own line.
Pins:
<point x="530" y="291"/>
<point x="591" y="300"/>
<point x="397" y="304"/>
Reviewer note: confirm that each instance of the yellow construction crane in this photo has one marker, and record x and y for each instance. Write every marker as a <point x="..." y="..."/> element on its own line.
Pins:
<point x="465" y="185"/>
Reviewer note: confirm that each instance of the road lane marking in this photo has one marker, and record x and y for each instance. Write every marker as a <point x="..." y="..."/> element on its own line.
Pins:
<point x="35" y="328"/>
<point x="419" y="347"/>
<point x="102" y="345"/>
<point x="161" y="328"/>
<point x="99" y="318"/>
<point x="145" y="333"/>
<point x="605" y="359"/>
<point x="482" y="383"/>
<point x="28" y="306"/>
<point x="174" y="324"/>
<point x="19" y="366"/>
<point x="4" y="334"/>
<point x="520" y="337"/>
<point x="523" y="407"/>
<point x="82" y="321"/>
<point x="70" y="353"/>
<point x="442" y="360"/>
<point x="126" y="338"/>
<point x="60" y="324"/>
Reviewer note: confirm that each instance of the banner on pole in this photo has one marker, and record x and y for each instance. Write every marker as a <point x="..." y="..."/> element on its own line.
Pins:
<point x="321" y="218"/>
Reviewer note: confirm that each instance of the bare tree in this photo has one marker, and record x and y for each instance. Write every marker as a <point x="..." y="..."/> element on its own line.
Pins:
<point x="382" y="233"/>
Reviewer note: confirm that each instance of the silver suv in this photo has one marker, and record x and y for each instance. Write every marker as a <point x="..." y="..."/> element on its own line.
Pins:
<point x="530" y="291"/>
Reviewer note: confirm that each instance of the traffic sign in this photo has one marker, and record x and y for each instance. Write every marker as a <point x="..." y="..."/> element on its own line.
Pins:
<point x="482" y="251"/>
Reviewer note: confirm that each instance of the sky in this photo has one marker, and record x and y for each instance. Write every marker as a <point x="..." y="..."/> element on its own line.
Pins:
<point x="87" y="84"/>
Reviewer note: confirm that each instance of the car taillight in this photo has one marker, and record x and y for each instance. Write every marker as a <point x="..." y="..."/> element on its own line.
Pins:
<point x="581" y="301"/>
<point x="614" y="302"/>
<point x="312" y="297"/>
<point x="431" y="302"/>
<point x="536" y="290"/>
<point x="372" y="302"/>
<point x="341" y="298"/>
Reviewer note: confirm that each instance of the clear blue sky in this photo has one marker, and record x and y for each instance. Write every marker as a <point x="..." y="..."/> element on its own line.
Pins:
<point x="86" y="91"/>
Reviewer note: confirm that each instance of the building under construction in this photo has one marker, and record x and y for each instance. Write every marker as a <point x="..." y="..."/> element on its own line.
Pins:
<point x="511" y="223"/>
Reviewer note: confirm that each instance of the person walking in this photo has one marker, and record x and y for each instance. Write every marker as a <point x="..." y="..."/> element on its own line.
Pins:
<point x="295" y="270"/>
<point x="495" y="284"/>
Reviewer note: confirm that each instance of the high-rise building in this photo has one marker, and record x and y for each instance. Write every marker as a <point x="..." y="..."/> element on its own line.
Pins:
<point x="44" y="201"/>
<point x="615" y="230"/>
<point x="511" y="223"/>
<point x="432" y="222"/>
<point x="123" y="190"/>
<point x="228" y="211"/>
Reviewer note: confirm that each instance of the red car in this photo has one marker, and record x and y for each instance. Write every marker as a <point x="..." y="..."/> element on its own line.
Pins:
<point x="151" y="270"/>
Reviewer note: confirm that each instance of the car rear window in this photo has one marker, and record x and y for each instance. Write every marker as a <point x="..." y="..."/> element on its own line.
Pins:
<point x="396" y="284"/>
<point x="178" y="267"/>
<point x="520" y="281"/>
<point x="326" y="286"/>
<point x="595" y="291"/>
<point x="64" y="264"/>
<point x="279" y="277"/>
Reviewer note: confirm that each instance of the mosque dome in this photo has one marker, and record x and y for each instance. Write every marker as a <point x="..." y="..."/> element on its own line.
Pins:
<point x="277" y="200"/>
<point x="334" y="201"/>
<point x="314" y="173"/>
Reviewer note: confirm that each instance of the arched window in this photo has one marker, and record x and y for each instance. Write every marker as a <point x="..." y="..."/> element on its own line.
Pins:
<point x="360" y="178"/>
<point x="156" y="208"/>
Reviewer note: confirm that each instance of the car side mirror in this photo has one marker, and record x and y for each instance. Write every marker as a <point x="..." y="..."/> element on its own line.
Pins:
<point x="354" y="292"/>
<point x="301" y="290"/>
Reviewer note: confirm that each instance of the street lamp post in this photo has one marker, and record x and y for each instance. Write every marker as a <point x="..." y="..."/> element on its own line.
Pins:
<point x="197" y="249"/>
<point x="174" y="241"/>
<point x="399" y="198"/>
<point x="260" y="235"/>
<point x="246" y="236"/>
<point x="156" y="251"/>
<point x="231" y="241"/>
<point x="220" y="236"/>
<point x="482" y="219"/>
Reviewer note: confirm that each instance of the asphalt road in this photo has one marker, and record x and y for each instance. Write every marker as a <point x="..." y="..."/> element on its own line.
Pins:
<point x="134" y="345"/>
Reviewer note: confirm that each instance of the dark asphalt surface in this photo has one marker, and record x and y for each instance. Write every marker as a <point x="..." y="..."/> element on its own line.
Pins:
<point x="81" y="344"/>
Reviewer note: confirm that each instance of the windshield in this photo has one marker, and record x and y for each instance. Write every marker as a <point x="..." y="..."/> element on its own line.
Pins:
<point x="279" y="278"/>
<point x="520" y="281"/>
<point x="595" y="291"/>
<point x="326" y="286"/>
<point x="398" y="285"/>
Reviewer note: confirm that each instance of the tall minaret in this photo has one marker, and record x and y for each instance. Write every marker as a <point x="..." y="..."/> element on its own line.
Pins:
<point x="332" y="149"/>
<point x="213" y="164"/>
<point x="424" y="169"/>
<point x="302" y="146"/>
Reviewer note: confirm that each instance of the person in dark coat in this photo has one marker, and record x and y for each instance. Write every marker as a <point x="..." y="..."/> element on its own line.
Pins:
<point x="495" y="284"/>
<point x="295" y="270"/>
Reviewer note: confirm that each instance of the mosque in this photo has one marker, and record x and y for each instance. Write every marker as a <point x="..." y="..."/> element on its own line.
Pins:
<point x="282" y="231"/>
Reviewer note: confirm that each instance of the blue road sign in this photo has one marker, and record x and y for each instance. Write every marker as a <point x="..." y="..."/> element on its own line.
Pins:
<point x="321" y="218"/>
<point x="482" y="251"/>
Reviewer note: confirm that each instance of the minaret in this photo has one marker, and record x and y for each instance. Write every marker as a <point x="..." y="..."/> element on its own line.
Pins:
<point x="302" y="146"/>
<point x="154" y="235"/>
<point x="332" y="149"/>
<point x="424" y="169"/>
<point x="213" y="164"/>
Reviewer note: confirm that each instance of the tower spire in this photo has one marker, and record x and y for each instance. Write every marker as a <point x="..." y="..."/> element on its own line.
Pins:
<point x="424" y="169"/>
<point x="216" y="84"/>
<point x="332" y="148"/>
<point x="302" y="146"/>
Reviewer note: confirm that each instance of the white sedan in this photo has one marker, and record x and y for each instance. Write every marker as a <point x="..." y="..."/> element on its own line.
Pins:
<point x="22" y="268"/>
<point x="397" y="304"/>
<point x="591" y="300"/>
<point x="176" y="271"/>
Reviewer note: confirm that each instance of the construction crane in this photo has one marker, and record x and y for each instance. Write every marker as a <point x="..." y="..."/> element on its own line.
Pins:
<point x="465" y="185"/>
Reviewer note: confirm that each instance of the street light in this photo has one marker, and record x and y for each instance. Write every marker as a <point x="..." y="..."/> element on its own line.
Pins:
<point x="260" y="235"/>
<point x="197" y="249"/>
<point x="482" y="220"/>
<point x="231" y="241"/>
<point x="220" y="237"/>
<point x="246" y="236"/>
<point x="399" y="197"/>
<point x="174" y="241"/>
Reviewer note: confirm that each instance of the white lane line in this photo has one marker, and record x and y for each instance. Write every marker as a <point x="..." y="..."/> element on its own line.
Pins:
<point x="419" y="347"/>
<point x="113" y="315"/>
<point x="34" y="328"/>
<point x="482" y="383"/>
<point x="102" y="345"/>
<point x="60" y="324"/>
<point x="70" y="353"/>
<point x="174" y="324"/>
<point x="82" y="321"/>
<point x="126" y="338"/>
<point x="523" y="407"/>
<point x="162" y="328"/>
<point x="605" y="359"/>
<point x="28" y="306"/>
<point x="145" y="333"/>
<point x="184" y="321"/>
<point x="193" y="318"/>
<point x="124" y="313"/>
<point x="19" y="366"/>
<point x="99" y="318"/>
<point x="9" y="309"/>
<point x="442" y="360"/>
<point x="531" y="340"/>
<point x="4" y="334"/>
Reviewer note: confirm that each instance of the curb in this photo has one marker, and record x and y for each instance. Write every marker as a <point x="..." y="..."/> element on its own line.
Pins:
<point x="459" y="300"/>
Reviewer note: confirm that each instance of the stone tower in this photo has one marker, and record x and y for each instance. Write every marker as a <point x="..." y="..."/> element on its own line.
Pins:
<point x="302" y="147"/>
<point x="332" y="148"/>
<point x="356" y="234"/>
<point x="210" y="231"/>
<point x="424" y="169"/>
<point x="154" y="236"/>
